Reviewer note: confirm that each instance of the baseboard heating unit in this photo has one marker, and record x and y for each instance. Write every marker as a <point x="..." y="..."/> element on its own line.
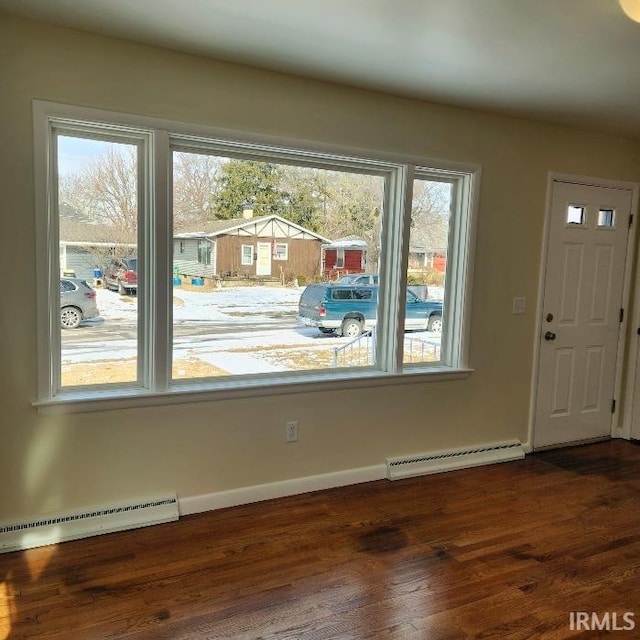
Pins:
<point x="61" y="527"/>
<point x="439" y="461"/>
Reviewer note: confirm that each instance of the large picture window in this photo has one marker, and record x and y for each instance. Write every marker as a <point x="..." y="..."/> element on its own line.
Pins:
<point x="183" y="263"/>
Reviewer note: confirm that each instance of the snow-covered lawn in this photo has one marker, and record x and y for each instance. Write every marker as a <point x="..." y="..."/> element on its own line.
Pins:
<point x="235" y="330"/>
<point x="229" y="305"/>
<point x="232" y="304"/>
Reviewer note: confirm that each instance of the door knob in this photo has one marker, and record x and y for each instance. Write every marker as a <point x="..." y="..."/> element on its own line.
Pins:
<point x="549" y="335"/>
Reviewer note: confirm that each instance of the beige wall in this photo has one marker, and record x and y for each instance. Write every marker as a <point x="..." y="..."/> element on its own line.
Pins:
<point x="60" y="462"/>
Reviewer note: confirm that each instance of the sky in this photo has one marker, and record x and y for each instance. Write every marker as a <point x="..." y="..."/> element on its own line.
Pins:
<point x="74" y="153"/>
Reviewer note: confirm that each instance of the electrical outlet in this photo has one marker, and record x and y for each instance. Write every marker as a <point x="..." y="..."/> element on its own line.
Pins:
<point x="519" y="306"/>
<point x="291" y="431"/>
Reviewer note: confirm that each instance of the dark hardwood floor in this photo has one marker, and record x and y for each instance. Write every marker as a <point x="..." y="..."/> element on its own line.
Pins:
<point x="505" y="551"/>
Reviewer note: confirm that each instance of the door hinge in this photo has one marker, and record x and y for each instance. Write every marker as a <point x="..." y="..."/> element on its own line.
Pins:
<point x="621" y="315"/>
<point x="613" y="406"/>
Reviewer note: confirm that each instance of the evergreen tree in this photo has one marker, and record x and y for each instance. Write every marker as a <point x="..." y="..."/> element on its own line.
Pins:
<point x="247" y="181"/>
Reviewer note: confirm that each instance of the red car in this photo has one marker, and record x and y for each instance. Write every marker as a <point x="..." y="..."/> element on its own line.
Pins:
<point x="121" y="275"/>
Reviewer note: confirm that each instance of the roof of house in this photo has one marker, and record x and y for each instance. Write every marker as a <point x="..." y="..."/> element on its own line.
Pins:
<point x="79" y="232"/>
<point x="414" y="248"/>
<point x="214" y="228"/>
<point x="348" y="242"/>
<point x="73" y="230"/>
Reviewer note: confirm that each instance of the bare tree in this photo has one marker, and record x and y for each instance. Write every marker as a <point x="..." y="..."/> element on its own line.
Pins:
<point x="353" y="207"/>
<point x="112" y="182"/>
<point x="336" y="204"/>
<point x="194" y="187"/>
<point x="430" y="214"/>
<point x="105" y="192"/>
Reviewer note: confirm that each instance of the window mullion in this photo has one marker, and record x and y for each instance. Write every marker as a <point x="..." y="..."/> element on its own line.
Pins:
<point x="393" y="269"/>
<point x="158" y="273"/>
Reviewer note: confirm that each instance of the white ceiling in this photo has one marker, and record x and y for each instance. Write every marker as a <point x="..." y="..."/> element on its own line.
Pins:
<point x="566" y="61"/>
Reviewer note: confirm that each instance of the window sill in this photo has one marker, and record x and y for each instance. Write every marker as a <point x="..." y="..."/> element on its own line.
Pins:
<point x="103" y="399"/>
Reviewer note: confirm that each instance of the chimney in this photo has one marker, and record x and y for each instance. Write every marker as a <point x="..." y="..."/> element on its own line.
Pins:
<point x="247" y="210"/>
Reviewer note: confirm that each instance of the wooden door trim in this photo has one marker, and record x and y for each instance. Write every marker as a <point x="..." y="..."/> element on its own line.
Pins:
<point x="619" y="429"/>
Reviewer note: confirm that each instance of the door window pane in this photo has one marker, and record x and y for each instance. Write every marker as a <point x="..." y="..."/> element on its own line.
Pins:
<point x="576" y="215"/>
<point x="98" y="249"/>
<point x="606" y="218"/>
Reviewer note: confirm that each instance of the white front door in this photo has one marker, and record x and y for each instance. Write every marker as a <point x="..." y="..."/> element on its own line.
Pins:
<point x="581" y="323"/>
<point x="263" y="261"/>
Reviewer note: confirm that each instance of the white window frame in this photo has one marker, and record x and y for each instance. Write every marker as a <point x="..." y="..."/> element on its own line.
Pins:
<point x="246" y="260"/>
<point x="204" y="246"/>
<point x="285" y="253"/>
<point x="339" y="258"/>
<point x="157" y="140"/>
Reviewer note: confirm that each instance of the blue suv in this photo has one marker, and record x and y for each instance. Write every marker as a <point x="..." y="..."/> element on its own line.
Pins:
<point x="351" y="309"/>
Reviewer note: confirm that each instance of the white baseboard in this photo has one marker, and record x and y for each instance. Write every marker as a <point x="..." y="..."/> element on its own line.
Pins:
<point x="453" y="459"/>
<point x="620" y="434"/>
<point x="258" y="493"/>
<point x="61" y="527"/>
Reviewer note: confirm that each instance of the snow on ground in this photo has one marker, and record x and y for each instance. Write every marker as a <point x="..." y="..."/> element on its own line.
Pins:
<point x="229" y="305"/>
<point x="269" y="339"/>
<point x="232" y="304"/>
<point x="267" y="316"/>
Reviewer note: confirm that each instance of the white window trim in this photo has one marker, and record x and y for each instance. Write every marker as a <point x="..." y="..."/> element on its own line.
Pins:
<point x="243" y="258"/>
<point x="204" y="245"/>
<point x="155" y="326"/>
<point x="286" y="251"/>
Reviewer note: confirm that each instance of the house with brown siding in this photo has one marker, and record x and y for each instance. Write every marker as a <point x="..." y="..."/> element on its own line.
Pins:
<point x="268" y="247"/>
